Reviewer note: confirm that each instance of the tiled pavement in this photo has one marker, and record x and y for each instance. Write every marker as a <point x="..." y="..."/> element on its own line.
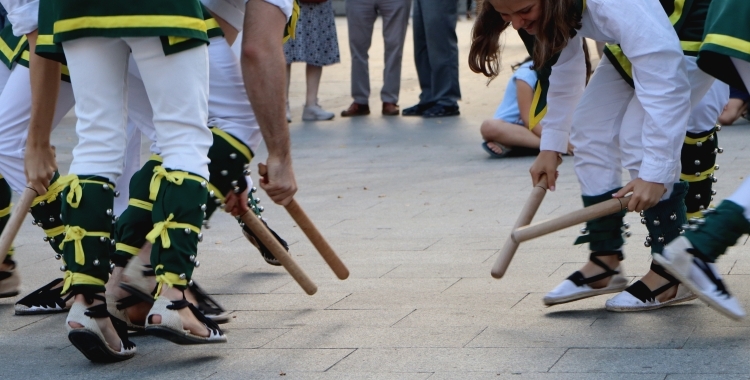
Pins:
<point x="418" y="212"/>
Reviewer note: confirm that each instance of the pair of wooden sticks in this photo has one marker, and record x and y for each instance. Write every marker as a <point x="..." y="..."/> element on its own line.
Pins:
<point x="249" y="218"/>
<point x="523" y="231"/>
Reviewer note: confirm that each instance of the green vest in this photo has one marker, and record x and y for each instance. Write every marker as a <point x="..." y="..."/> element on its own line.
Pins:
<point x="727" y="35"/>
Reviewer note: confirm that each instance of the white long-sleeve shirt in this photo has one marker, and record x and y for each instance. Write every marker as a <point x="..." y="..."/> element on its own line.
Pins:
<point x="23" y="14"/>
<point x="649" y="41"/>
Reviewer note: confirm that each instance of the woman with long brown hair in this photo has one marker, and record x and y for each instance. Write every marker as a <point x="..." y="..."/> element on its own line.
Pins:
<point x="611" y="124"/>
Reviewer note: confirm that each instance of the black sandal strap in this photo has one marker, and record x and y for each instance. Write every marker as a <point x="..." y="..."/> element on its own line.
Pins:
<point x="45" y="296"/>
<point x="702" y="265"/>
<point x="126" y="302"/>
<point x="641" y="291"/>
<point x="206" y="304"/>
<point x="183" y="303"/>
<point x="577" y="277"/>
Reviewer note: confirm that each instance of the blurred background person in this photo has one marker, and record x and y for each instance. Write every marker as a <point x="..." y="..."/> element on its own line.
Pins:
<point x="736" y="108"/>
<point x="361" y="15"/>
<point x="315" y="44"/>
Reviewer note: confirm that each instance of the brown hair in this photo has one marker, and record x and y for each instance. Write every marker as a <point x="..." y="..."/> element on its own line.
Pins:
<point x="558" y="20"/>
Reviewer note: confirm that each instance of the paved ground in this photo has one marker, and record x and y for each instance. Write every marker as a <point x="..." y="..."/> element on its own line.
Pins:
<point x="418" y="213"/>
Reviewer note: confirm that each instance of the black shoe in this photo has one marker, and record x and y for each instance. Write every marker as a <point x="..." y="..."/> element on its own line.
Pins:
<point x="44" y="300"/>
<point x="439" y="110"/>
<point x="417" y="110"/>
<point x="264" y="251"/>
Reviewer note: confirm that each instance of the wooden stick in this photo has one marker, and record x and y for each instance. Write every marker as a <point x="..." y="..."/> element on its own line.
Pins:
<point x="15" y="221"/>
<point x="265" y="236"/>
<point x="312" y="233"/>
<point x="577" y="217"/>
<point x="317" y="240"/>
<point x="527" y="214"/>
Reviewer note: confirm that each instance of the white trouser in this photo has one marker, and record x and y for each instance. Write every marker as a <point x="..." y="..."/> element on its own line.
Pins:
<point x="4" y="75"/>
<point x="15" y="114"/>
<point x="608" y="129"/>
<point x="741" y="196"/>
<point x="228" y="105"/>
<point x="177" y="87"/>
<point x="704" y="114"/>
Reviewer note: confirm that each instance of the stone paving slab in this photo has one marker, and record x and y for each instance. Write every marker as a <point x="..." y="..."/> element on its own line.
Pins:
<point x="418" y="213"/>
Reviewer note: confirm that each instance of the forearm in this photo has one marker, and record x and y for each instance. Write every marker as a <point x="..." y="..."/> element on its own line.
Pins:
<point x="264" y="73"/>
<point x="45" y="85"/>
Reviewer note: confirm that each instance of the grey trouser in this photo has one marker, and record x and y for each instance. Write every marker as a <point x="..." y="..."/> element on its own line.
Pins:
<point x="361" y="15"/>
<point x="436" y="51"/>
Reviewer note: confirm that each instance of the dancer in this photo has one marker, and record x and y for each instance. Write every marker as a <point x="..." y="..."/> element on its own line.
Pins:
<point x="613" y="126"/>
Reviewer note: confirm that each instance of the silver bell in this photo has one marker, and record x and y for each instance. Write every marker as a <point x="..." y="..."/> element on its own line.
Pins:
<point x="224" y="172"/>
<point x="51" y="219"/>
<point x="217" y="201"/>
<point x="203" y="207"/>
<point x="718" y="127"/>
<point x="257" y="200"/>
<point x="713" y="192"/>
<point x="699" y="144"/>
<point x="700" y="221"/>
<point x="643" y="220"/>
<point x="697" y="174"/>
<point x="192" y="258"/>
<point x="642" y="214"/>
<point x="253" y="189"/>
<point x="96" y="263"/>
<point x="102" y="239"/>
<point x="112" y="242"/>
<point x="236" y="190"/>
<point x="647" y="243"/>
<point x="187" y="231"/>
<point x="42" y="203"/>
<point x="697" y="162"/>
<point x="711" y="138"/>
<point x="233" y="155"/>
<point x="222" y="206"/>
<point x="58" y="256"/>
<point x="109" y="212"/>
<point x="105" y="187"/>
<point x="116" y="193"/>
<point x="584" y="231"/>
<point x="648" y="239"/>
<point x="33" y="222"/>
<point x="197" y="263"/>
<point x="182" y="276"/>
<point x="260" y="208"/>
<point x="685" y="226"/>
<point x="45" y="238"/>
<point x="716" y="167"/>
<point x="720" y="150"/>
<point x="211" y="193"/>
<point x="234" y="183"/>
<point x="628" y="234"/>
<point x="63" y="268"/>
<point x="204" y="184"/>
<point x="714" y="179"/>
<point x="660" y="239"/>
<point x="673" y="217"/>
<point x="697" y="196"/>
<point x="657" y="222"/>
<point x="200" y="237"/>
<point x="52" y="240"/>
<point x="626" y="225"/>
<point x="190" y="283"/>
<point x="701" y="207"/>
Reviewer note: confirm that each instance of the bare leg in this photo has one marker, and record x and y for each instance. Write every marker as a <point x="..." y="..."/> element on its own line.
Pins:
<point x="313" y="74"/>
<point x="507" y="134"/>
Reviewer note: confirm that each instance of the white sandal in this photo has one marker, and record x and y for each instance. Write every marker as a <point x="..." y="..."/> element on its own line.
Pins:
<point x="171" y="327"/>
<point x="576" y="287"/>
<point x="90" y="340"/>
<point x="638" y="297"/>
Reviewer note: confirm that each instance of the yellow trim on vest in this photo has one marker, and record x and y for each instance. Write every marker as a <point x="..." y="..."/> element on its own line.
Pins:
<point x="691" y="46"/>
<point x="234" y="143"/>
<point x="76" y="234"/>
<point x="63" y="68"/>
<point x="78" y="279"/>
<point x="127" y="248"/>
<point x="45" y="39"/>
<point x="697" y="214"/>
<point x="156" y="157"/>
<point x="693" y="141"/>
<point x="160" y="231"/>
<point x="730" y="42"/>
<point x="697" y="178"/>
<point x="216" y="191"/>
<point x="678" y="7"/>
<point x="168" y="278"/>
<point x="7" y="51"/>
<point x="622" y="60"/>
<point x="211" y="24"/>
<point x="6" y="211"/>
<point x="148" y="206"/>
<point x="52" y="232"/>
<point x="136" y="21"/>
<point x="176" y="177"/>
<point x="534" y="119"/>
<point x="176" y="40"/>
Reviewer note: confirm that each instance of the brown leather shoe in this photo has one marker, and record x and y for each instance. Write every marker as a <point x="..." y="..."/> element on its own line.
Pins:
<point x="356" y="109"/>
<point x="390" y="109"/>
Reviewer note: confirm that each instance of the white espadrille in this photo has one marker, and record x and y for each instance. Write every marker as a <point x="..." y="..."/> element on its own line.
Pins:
<point x="171" y="327"/>
<point x="90" y="340"/>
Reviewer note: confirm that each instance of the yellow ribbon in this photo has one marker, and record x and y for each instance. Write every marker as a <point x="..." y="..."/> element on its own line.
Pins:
<point x="127" y="248"/>
<point x="75" y="193"/>
<point x="78" y="279"/>
<point x="176" y="177"/>
<point x="216" y="191"/>
<point x="76" y="234"/>
<point x="148" y="206"/>
<point x="160" y="230"/>
<point x="6" y="211"/>
<point x="52" y="192"/>
<point x="168" y="278"/>
<point x="52" y="232"/>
